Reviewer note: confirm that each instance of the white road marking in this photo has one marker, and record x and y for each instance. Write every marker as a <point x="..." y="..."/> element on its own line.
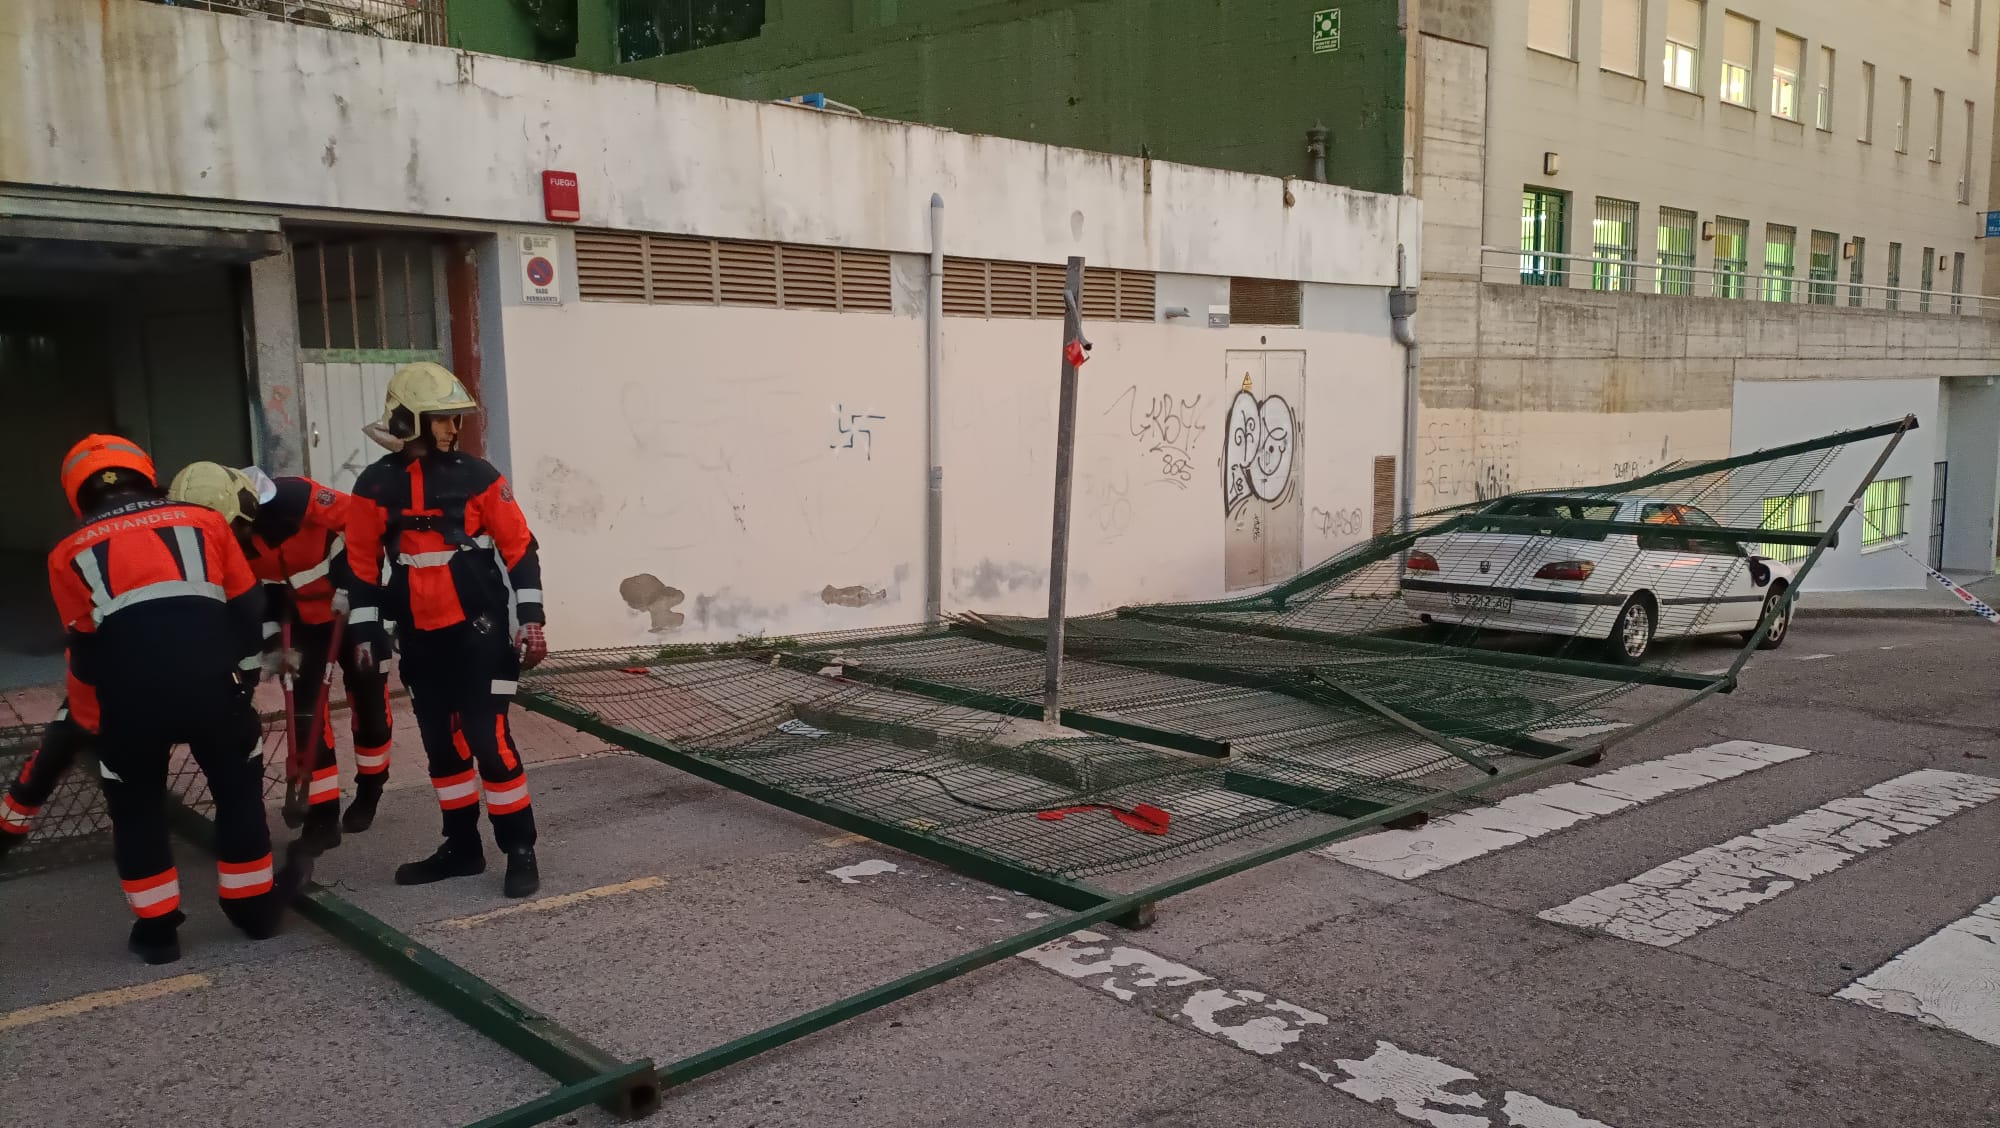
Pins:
<point x="99" y="1000"/>
<point x="1670" y="903"/>
<point x="1950" y="979"/>
<point x="852" y="875"/>
<point x="1418" y="1088"/>
<point x="1567" y="732"/>
<point x="560" y="901"/>
<point x="1448" y="841"/>
<point x="1811" y="657"/>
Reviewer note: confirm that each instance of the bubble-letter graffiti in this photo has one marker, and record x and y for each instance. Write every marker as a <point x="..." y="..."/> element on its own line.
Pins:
<point x="1262" y="437"/>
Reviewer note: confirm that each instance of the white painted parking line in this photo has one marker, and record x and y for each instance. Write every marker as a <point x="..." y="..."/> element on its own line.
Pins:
<point x="1950" y="979"/>
<point x="1670" y="903"/>
<point x="1417" y="1088"/>
<point x="1448" y="841"/>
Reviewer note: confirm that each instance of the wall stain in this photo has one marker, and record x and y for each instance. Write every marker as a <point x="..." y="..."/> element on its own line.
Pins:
<point x="989" y="580"/>
<point x="331" y="156"/>
<point x="566" y="497"/>
<point x="856" y="596"/>
<point x="645" y="592"/>
<point x="730" y="612"/>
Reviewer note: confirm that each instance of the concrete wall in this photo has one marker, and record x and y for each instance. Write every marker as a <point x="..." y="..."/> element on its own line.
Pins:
<point x="1110" y="75"/>
<point x="704" y="473"/>
<point x="1769" y="413"/>
<point x="1636" y="139"/>
<point x="1972" y="496"/>
<point x="95" y="101"/>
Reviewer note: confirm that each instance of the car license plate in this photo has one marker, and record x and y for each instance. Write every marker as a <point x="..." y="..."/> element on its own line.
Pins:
<point x="1467" y="601"/>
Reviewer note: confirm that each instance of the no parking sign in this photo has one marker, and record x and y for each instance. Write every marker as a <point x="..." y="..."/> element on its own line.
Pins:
<point x="541" y="274"/>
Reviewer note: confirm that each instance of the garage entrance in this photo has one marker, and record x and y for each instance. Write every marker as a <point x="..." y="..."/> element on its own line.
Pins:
<point x="136" y="328"/>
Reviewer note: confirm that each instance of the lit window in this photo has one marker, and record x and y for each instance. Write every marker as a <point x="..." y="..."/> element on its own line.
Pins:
<point x="1624" y="37"/>
<point x="1824" y="266"/>
<point x="1544" y="216"/>
<point x="1683" y="55"/>
<point x="1785" y="68"/>
<point x="1677" y="237"/>
<point x="1739" y="53"/>
<point x="1732" y="256"/>
<point x="1614" y="244"/>
<point x="1796" y="513"/>
<point x="1779" y="264"/>
<point x="1883" y="510"/>
<point x="1857" y="272"/>
<point x="1823" y="107"/>
<point x="1552" y="26"/>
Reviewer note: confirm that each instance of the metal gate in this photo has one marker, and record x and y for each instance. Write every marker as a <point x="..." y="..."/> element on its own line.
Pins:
<point x="1940" y="476"/>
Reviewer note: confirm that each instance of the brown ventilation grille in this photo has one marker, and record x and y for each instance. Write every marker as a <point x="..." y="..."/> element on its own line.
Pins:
<point x="617" y="267"/>
<point x="1263" y="301"/>
<point x="1000" y="288"/>
<point x="1384" y="520"/>
<point x="611" y="268"/>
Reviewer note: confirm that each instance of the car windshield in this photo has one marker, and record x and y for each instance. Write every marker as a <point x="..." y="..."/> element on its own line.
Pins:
<point x="1554" y="509"/>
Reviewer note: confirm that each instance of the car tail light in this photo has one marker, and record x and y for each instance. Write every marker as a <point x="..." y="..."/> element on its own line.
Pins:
<point x="1421" y="562"/>
<point x="1578" y="570"/>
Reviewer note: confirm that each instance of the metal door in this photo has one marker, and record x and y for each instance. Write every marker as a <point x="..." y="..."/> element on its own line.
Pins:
<point x="1940" y="477"/>
<point x="341" y="396"/>
<point x="1263" y="467"/>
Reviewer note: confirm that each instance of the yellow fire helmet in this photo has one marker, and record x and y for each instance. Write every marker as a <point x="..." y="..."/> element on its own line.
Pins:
<point x="226" y="490"/>
<point x="420" y="389"/>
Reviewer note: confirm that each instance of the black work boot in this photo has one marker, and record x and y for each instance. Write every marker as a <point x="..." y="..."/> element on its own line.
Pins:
<point x="458" y="857"/>
<point x="156" y="940"/>
<point x="258" y="917"/>
<point x="8" y="841"/>
<point x="523" y="877"/>
<point x="321" y="831"/>
<point x="360" y="814"/>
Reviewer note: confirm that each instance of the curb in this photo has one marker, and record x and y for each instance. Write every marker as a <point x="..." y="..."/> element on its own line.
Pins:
<point x="1880" y="612"/>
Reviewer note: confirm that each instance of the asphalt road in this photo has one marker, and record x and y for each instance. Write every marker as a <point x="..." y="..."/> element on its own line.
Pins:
<point x="1788" y="930"/>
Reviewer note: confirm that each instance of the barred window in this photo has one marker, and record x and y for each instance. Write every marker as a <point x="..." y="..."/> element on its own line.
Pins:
<point x="1677" y="242"/>
<point x="1732" y="256"/>
<point x="1824" y="266"/>
<point x="1883" y="511"/>
<point x="1780" y="265"/>
<point x="1614" y="244"/>
<point x="1795" y="513"/>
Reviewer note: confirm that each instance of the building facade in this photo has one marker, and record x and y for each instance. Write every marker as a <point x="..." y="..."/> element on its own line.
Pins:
<point x="709" y="376"/>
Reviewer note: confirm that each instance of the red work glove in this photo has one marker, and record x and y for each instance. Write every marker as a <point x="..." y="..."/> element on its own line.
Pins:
<point x="534" y="645"/>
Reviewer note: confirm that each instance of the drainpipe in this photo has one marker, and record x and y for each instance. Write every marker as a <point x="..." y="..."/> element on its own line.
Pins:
<point x="1402" y="320"/>
<point x="1316" y="139"/>
<point x="933" y="445"/>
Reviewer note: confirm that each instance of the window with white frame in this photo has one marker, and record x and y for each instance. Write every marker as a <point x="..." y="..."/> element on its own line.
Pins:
<point x="1793" y="513"/>
<point x="1884" y="510"/>
<point x="1867" y="103"/>
<point x="1788" y="59"/>
<point x="1624" y="37"/>
<point x="1739" y="57"/>
<point x="1903" y="120"/>
<point x="1937" y="130"/>
<point x="1677" y="242"/>
<point x="1614" y="237"/>
<point x="1965" y="168"/>
<point x="1552" y="27"/>
<point x="1823" y="105"/>
<point x="1683" y="54"/>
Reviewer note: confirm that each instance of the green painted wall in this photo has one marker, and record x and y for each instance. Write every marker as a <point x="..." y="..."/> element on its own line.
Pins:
<point x="1210" y="82"/>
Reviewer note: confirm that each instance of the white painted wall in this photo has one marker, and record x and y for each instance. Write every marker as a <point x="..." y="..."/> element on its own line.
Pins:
<point x="304" y="118"/>
<point x="1770" y="413"/>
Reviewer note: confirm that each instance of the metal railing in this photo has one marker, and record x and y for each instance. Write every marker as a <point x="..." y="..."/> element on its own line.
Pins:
<point x="1629" y="276"/>
<point x="412" y="21"/>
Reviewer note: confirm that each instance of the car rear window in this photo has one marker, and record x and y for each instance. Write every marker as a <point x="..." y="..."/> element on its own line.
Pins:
<point x="1556" y="509"/>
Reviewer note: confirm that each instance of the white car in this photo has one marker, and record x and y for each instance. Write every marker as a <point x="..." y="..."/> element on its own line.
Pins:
<point x="1623" y="588"/>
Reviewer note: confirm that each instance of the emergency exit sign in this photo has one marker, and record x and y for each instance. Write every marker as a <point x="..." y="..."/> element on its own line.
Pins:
<point x="1326" y="31"/>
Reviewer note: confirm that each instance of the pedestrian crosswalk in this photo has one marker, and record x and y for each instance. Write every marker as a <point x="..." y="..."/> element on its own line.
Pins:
<point x="1950" y="979"/>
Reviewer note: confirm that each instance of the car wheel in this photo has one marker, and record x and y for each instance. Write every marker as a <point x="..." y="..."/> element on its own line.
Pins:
<point x="1780" y="627"/>
<point x="1632" y="635"/>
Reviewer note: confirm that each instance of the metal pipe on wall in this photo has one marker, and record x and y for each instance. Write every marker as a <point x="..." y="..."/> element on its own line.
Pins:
<point x="1402" y="321"/>
<point x="933" y="445"/>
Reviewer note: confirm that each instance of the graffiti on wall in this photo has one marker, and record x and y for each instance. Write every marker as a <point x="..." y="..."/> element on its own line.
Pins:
<point x="1167" y="427"/>
<point x="1258" y="464"/>
<point x="1465" y="457"/>
<point x="852" y="425"/>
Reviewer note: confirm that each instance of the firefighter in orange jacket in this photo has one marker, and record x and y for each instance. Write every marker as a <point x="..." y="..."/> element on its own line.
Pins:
<point x="463" y="587"/>
<point x="163" y="619"/>
<point x="63" y="740"/>
<point x="294" y="537"/>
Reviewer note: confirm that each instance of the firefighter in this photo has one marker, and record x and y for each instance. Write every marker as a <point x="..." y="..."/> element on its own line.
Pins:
<point x="63" y="740"/>
<point x="163" y="617"/>
<point x="294" y="538"/>
<point x="463" y="588"/>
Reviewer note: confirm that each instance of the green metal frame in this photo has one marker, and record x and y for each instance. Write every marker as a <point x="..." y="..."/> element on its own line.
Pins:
<point x="627" y="1089"/>
<point x="1528" y="663"/>
<point x="967" y="860"/>
<point x="1576" y="526"/>
<point x="1013" y="706"/>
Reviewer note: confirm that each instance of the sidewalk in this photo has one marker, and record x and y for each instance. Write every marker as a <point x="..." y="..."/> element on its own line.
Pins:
<point x="1897" y="602"/>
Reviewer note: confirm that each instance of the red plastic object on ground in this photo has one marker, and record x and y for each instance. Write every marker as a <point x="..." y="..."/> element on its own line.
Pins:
<point x="1143" y="817"/>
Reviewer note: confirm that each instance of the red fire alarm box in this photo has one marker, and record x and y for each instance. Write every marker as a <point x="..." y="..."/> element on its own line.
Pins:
<point x="559" y="196"/>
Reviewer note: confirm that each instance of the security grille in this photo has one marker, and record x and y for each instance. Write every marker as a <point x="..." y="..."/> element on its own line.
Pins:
<point x="998" y="288"/>
<point x="672" y="269"/>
